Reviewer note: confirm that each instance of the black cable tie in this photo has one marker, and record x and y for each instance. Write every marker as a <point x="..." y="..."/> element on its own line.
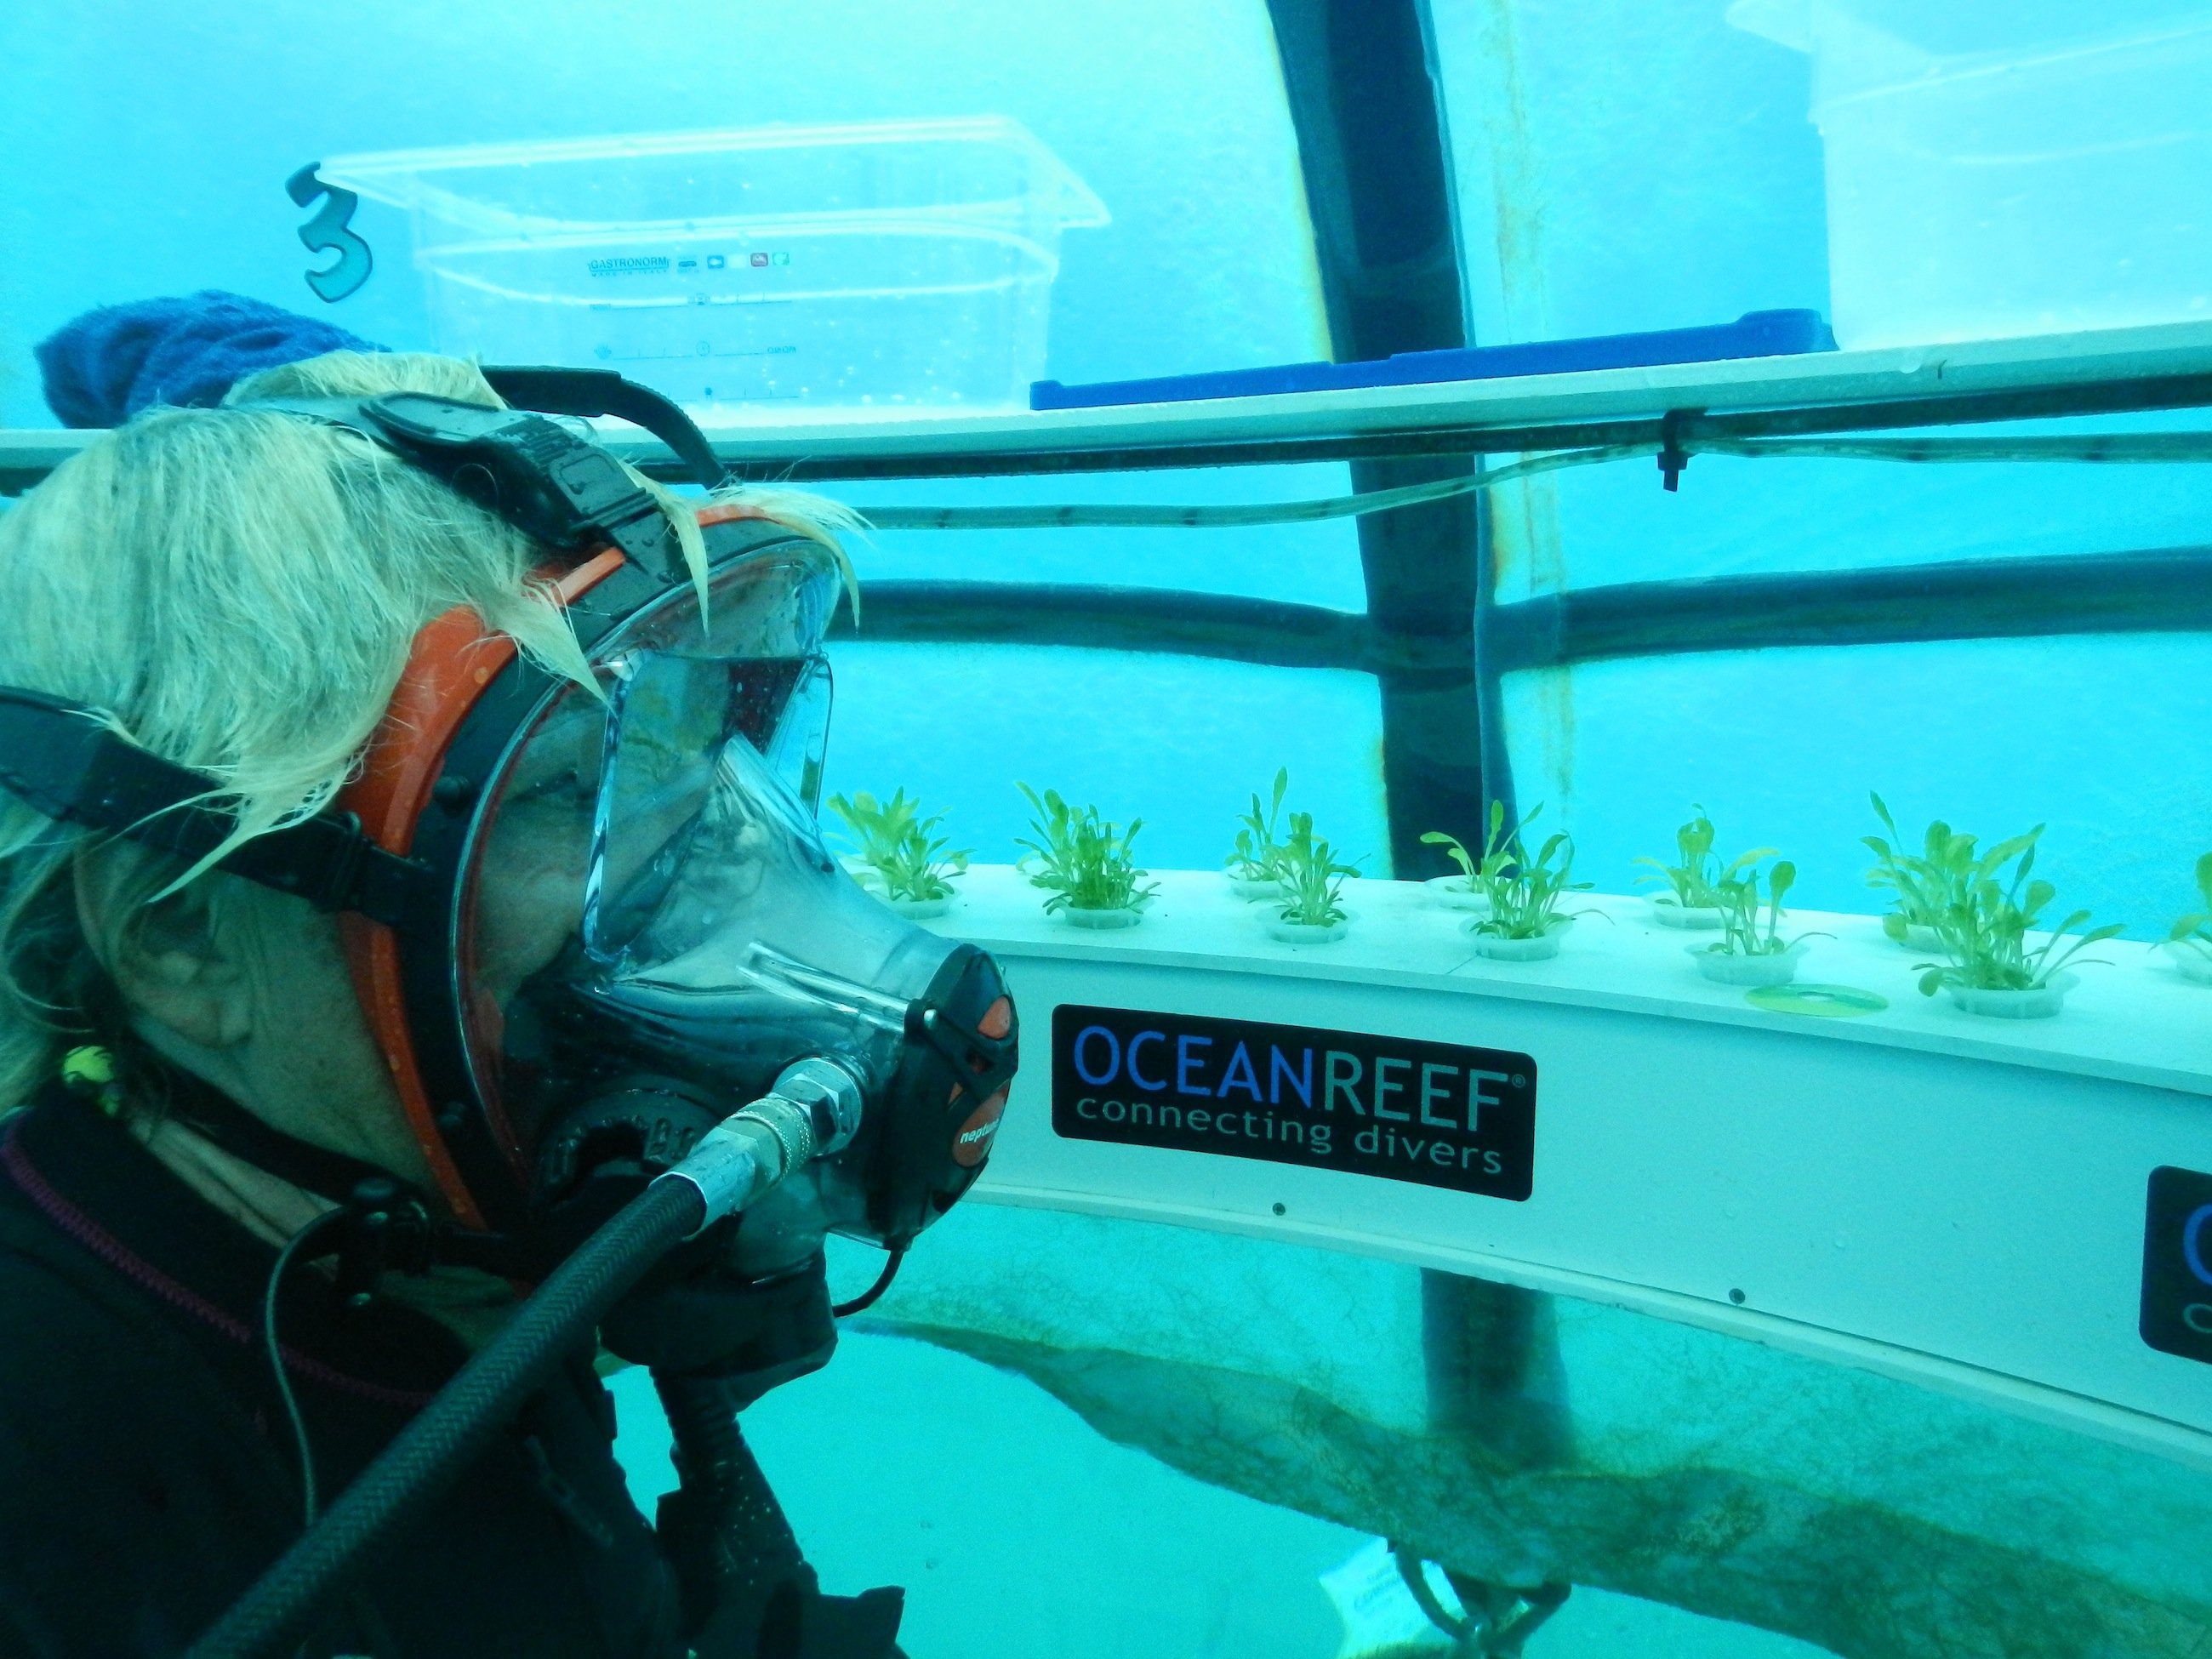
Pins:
<point x="1673" y="457"/>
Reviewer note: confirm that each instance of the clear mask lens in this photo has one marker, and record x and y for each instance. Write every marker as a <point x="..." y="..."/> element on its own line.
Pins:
<point x="675" y="728"/>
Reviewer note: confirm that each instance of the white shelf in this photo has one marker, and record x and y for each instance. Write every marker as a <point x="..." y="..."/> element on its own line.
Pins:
<point x="1820" y="379"/>
<point x="1743" y="384"/>
<point x="1920" y="1193"/>
<point x="2133" y="1018"/>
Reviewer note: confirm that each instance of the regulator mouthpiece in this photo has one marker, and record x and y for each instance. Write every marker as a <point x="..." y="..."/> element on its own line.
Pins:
<point x="733" y="960"/>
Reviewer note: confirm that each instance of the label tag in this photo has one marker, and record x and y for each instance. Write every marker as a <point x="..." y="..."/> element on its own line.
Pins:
<point x="2177" y="1280"/>
<point x="1437" y="1114"/>
<point x="1382" y="1619"/>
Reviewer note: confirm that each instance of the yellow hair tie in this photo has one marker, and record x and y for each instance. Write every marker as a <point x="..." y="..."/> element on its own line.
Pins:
<point x="90" y="1071"/>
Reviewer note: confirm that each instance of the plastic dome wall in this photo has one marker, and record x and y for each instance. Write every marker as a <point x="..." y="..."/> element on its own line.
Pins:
<point x="1174" y="115"/>
<point x="1626" y="166"/>
<point x="1721" y="1481"/>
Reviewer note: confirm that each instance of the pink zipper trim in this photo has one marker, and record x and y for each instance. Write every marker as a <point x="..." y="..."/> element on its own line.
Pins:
<point x="88" y="1232"/>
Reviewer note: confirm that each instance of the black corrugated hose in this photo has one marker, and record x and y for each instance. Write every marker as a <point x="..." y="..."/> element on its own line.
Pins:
<point x="452" y="1430"/>
<point x="722" y="1528"/>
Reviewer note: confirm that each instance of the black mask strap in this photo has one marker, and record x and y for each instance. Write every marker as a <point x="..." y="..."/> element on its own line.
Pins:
<point x="206" y="1110"/>
<point x="603" y="391"/>
<point x="564" y="492"/>
<point x="60" y="758"/>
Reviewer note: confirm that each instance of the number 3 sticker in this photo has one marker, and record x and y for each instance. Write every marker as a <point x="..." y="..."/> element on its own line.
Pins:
<point x="328" y="229"/>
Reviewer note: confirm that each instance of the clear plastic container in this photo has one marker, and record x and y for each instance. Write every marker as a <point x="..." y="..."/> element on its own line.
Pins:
<point x="859" y="269"/>
<point x="2029" y="190"/>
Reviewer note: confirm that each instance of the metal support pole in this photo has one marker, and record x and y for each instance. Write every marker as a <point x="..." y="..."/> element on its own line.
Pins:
<point x="1370" y="145"/>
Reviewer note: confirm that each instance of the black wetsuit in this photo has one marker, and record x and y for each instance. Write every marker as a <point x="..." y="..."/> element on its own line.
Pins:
<point x="147" y="1468"/>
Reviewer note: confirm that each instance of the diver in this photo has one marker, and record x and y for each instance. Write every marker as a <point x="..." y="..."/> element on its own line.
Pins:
<point x="407" y="867"/>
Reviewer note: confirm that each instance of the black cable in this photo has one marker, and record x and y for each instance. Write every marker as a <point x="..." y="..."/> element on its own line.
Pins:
<point x="449" y="1434"/>
<point x="868" y="1297"/>
<point x="295" y="1248"/>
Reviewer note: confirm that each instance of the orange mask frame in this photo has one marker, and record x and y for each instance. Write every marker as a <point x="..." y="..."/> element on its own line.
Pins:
<point x="455" y="660"/>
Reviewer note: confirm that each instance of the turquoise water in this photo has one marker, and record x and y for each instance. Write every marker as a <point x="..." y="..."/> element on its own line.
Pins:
<point x="1076" y="1437"/>
<point x="1710" y="1498"/>
<point x="1697" y="193"/>
<point x="1019" y="1530"/>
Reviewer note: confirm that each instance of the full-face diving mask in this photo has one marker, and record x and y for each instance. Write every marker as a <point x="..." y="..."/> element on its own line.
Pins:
<point x="711" y="940"/>
<point x="587" y="923"/>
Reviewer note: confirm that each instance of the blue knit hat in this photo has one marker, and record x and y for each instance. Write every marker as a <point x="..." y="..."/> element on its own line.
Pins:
<point x="103" y="368"/>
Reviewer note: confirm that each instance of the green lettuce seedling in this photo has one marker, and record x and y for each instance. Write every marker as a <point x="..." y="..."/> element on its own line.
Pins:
<point x="1479" y="873"/>
<point x="1695" y="879"/>
<point x="2194" y="931"/>
<point x="1985" y="920"/>
<point x="1313" y="881"/>
<point x="1923" y="886"/>
<point x="901" y="846"/>
<point x="1081" y="859"/>
<point x="1735" y="895"/>
<point x="1254" y="857"/>
<point x="1524" y="899"/>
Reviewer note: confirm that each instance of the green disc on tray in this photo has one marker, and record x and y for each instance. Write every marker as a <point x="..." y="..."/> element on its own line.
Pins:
<point x="1821" y="1001"/>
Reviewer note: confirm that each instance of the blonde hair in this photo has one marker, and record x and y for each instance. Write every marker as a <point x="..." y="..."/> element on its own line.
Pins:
<point x="237" y="590"/>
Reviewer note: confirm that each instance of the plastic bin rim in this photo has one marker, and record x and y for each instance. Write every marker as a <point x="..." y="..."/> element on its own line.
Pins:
<point x="574" y="234"/>
<point x="1945" y="71"/>
<point x="388" y="176"/>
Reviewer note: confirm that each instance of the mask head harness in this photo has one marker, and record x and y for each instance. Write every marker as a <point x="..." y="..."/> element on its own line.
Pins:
<point x="693" y="975"/>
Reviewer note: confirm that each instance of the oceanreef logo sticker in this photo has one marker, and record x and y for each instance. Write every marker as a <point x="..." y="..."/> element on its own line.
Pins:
<point x="1437" y="1114"/>
<point x="2177" y="1277"/>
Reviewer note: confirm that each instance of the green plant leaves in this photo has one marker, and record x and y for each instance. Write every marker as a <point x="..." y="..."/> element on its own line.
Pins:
<point x="1983" y="908"/>
<point x="1498" y="855"/>
<point x="914" y="863"/>
<point x="1736" y="897"/>
<point x="1525" y="892"/>
<point x="1702" y="882"/>
<point x="1255" y="854"/>
<point x="2196" y="928"/>
<point x="1081" y="859"/>
<point x="1458" y="853"/>
<point x="1312" y="877"/>
<point x="1694" y="840"/>
<point x="1921" y="882"/>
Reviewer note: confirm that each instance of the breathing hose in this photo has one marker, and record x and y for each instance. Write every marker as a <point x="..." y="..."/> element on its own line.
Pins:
<point x="733" y="1164"/>
<point x="454" y="1428"/>
<point x="725" y="1532"/>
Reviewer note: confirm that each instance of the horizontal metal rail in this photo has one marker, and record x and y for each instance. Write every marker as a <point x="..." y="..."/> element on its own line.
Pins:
<point x="2159" y="592"/>
<point x="2112" y="397"/>
<point x="1686" y="410"/>
<point x="2108" y="371"/>
<point x="1168" y="620"/>
<point x="2166" y="590"/>
<point x="2104" y="372"/>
